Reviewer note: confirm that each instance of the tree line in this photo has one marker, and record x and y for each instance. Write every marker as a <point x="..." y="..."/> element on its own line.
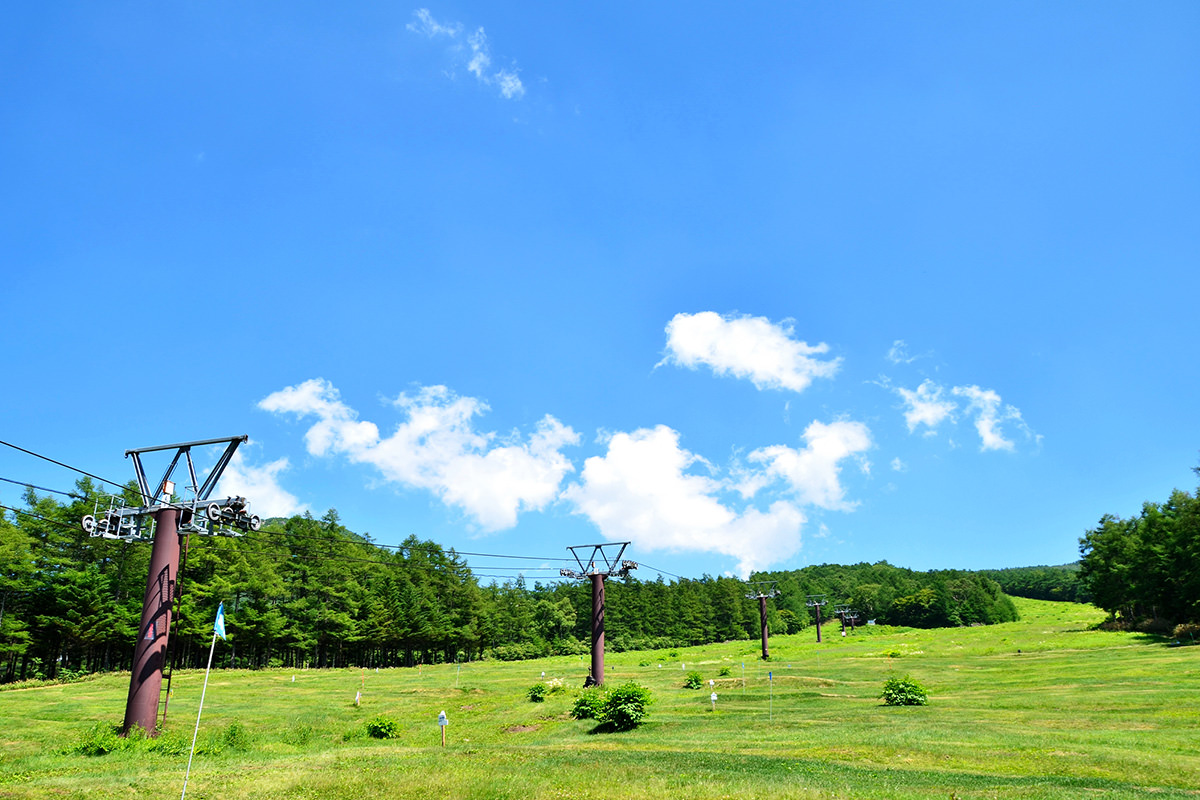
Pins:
<point x="307" y="591"/>
<point x="1145" y="570"/>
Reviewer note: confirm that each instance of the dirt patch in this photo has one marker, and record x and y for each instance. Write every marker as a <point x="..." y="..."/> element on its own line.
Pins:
<point x="520" y="728"/>
<point x="466" y="708"/>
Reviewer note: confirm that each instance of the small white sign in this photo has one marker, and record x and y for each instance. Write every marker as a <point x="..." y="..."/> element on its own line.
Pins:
<point x="442" y="719"/>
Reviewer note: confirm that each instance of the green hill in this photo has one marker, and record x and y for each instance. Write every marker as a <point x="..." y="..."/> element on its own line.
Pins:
<point x="1046" y="707"/>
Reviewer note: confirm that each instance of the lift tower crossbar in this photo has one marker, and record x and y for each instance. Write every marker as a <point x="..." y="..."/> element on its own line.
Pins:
<point x="762" y="591"/>
<point x="596" y="566"/>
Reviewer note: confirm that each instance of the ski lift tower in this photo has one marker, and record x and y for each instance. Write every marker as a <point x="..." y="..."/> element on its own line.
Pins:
<point x="815" y="601"/>
<point x="596" y="566"/>
<point x="762" y="591"/>
<point x="163" y="520"/>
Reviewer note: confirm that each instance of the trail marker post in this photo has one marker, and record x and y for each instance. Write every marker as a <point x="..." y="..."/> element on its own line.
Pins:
<point x="442" y="723"/>
<point x="771" y="699"/>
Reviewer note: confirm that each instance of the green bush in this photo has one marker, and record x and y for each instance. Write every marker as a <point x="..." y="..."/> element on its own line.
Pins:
<point x="537" y="692"/>
<point x="589" y="704"/>
<point x="693" y="680"/>
<point x="724" y="672"/>
<point x="383" y="727"/>
<point x="626" y="707"/>
<point x="904" y="692"/>
<point x="235" y="736"/>
<point x="99" y="740"/>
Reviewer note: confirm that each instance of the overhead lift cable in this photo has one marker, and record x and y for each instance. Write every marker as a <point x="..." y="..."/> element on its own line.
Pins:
<point x="61" y="464"/>
<point x="43" y="488"/>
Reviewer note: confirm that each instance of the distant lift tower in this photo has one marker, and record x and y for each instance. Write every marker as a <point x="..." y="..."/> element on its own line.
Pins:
<point x="162" y="520"/>
<point x="815" y="601"/>
<point x="846" y="614"/>
<point x="762" y="591"/>
<point x="597" y="565"/>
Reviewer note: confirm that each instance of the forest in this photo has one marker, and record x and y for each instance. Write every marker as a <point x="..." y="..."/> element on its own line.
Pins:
<point x="1145" y="570"/>
<point x="307" y="591"/>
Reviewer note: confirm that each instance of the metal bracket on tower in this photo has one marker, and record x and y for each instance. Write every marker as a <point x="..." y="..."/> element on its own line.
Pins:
<point x="764" y="589"/>
<point x="230" y="517"/>
<point x="599" y="563"/>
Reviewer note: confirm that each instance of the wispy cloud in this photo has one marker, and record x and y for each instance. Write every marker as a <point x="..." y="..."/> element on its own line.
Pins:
<point x="436" y="448"/>
<point x="476" y="56"/>
<point x="930" y="405"/>
<point x="898" y="354"/>
<point x="746" y="347"/>
<point x="430" y="28"/>
<point x="990" y="415"/>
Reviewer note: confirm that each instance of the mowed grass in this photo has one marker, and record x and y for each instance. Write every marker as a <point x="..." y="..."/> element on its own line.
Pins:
<point x="1075" y="713"/>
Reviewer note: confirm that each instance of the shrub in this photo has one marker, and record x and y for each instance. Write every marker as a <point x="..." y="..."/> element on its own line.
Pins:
<point x="298" y="733"/>
<point x="555" y="685"/>
<point x="724" y="672"/>
<point x="626" y="707"/>
<point x="383" y="727"/>
<point x="537" y="692"/>
<point x="98" y="740"/>
<point x="904" y="692"/>
<point x="589" y="704"/>
<point x="693" y="680"/>
<point x="1186" y="631"/>
<point x="235" y="736"/>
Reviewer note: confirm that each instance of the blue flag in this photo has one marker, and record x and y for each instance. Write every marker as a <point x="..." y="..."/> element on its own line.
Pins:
<point x="219" y="625"/>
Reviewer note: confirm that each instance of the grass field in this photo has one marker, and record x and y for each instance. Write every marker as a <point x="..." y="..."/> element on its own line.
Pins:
<point x="1075" y="713"/>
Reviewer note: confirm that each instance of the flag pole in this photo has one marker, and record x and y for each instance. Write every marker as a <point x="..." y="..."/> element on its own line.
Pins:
<point x="218" y="628"/>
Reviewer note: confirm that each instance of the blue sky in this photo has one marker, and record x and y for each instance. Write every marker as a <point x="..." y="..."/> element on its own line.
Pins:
<point x="753" y="287"/>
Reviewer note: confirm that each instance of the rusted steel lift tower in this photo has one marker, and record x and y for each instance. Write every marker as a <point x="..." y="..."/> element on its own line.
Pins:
<point x="596" y="566"/>
<point x="815" y="601"/>
<point x="163" y="520"/>
<point x="763" y="591"/>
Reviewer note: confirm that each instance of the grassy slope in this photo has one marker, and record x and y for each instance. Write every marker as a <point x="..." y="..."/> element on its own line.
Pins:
<point x="1076" y="713"/>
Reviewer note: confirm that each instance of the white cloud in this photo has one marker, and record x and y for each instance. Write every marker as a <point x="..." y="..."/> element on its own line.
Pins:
<point x="259" y="485"/>
<point x="479" y="62"/>
<point x="641" y="491"/>
<point x="930" y="406"/>
<point x="813" y="472"/>
<point x="430" y="28"/>
<point x="437" y="449"/>
<point x="746" y="347"/>
<point x="898" y="465"/>
<point x="898" y="354"/>
<point x="926" y="406"/>
<point x="989" y="417"/>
